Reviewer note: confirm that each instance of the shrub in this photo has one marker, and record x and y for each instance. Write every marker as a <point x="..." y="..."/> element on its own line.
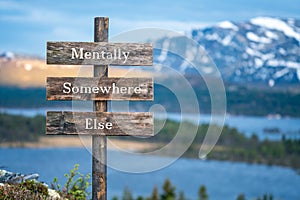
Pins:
<point x="76" y="186"/>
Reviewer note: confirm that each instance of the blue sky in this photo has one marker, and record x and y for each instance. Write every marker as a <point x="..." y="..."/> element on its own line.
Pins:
<point x="26" y="25"/>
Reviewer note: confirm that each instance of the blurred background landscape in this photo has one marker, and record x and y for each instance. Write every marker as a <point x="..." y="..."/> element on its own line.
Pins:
<point x="256" y="47"/>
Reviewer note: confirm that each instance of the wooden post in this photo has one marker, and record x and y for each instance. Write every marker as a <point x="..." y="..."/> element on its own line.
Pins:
<point x="99" y="149"/>
<point x="66" y="123"/>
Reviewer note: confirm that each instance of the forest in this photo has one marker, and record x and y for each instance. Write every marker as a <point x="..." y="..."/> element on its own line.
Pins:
<point x="241" y="100"/>
<point x="231" y="146"/>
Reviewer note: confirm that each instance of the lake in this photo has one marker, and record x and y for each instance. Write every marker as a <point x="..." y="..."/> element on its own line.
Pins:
<point x="290" y="127"/>
<point x="224" y="180"/>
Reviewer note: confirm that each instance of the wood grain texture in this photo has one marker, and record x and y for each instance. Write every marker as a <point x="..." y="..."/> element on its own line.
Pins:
<point x="74" y="123"/>
<point x="61" y="53"/>
<point x="54" y="89"/>
<point x="99" y="143"/>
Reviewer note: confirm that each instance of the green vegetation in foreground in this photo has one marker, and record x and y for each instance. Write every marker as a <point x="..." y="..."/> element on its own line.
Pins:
<point x="231" y="146"/>
<point x="168" y="192"/>
<point x="25" y="190"/>
<point x="76" y="188"/>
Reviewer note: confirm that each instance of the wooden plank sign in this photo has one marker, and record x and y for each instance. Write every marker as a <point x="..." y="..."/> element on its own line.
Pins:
<point x="99" y="53"/>
<point x="99" y="123"/>
<point x="79" y="88"/>
<point x="100" y="88"/>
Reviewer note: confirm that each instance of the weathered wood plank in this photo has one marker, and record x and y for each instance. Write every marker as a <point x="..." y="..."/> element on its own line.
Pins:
<point x="134" y="89"/>
<point x="99" y="143"/>
<point x="99" y="53"/>
<point x="86" y="123"/>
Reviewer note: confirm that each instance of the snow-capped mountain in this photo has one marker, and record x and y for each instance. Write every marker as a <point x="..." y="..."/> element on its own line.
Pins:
<point x="263" y="49"/>
<point x="7" y="55"/>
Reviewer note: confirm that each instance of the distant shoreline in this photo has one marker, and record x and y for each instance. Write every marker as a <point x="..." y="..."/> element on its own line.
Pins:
<point x="80" y="142"/>
<point x="32" y="112"/>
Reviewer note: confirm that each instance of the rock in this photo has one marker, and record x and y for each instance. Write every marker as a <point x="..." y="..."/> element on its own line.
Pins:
<point x="14" y="178"/>
<point x="53" y="195"/>
<point x="8" y="178"/>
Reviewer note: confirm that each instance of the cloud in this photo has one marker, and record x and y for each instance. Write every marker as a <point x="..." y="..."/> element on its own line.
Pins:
<point x="34" y="16"/>
<point x="5" y="5"/>
<point x="174" y="25"/>
<point x="22" y="12"/>
<point x="69" y="34"/>
<point x="40" y="21"/>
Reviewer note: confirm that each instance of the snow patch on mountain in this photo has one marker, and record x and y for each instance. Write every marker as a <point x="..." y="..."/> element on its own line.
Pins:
<point x="258" y="62"/>
<point x="272" y="35"/>
<point x="263" y="49"/>
<point x="281" y="73"/>
<point x="7" y="55"/>
<point x="226" y="41"/>
<point x="281" y="63"/>
<point x="228" y="25"/>
<point x="252" y="36"/>
<point x="276" y="24"/>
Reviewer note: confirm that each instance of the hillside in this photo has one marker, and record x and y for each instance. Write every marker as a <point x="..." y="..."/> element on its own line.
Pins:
<point x="232" y="144"/>
<point x="262" y="50"/>
<point x="259" y="61"/>
<point x="240" y="100"/>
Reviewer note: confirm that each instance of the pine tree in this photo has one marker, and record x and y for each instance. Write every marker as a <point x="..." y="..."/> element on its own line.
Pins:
<point x="241" y="197"/>
<point x="265" y="197"/>
<point x="127" y="194"/>
<point x="155" y="195"/>
<point x="168" y="191"/>
<point x="202" y="193"/>
<point x="181" y="196"/>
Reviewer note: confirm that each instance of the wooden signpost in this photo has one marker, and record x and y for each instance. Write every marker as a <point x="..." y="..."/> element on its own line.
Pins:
<point x="72" y="88"/>
<point x="99" y="88"/>
<point x="99" y="123"/>
<point x="99" y="53"/>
